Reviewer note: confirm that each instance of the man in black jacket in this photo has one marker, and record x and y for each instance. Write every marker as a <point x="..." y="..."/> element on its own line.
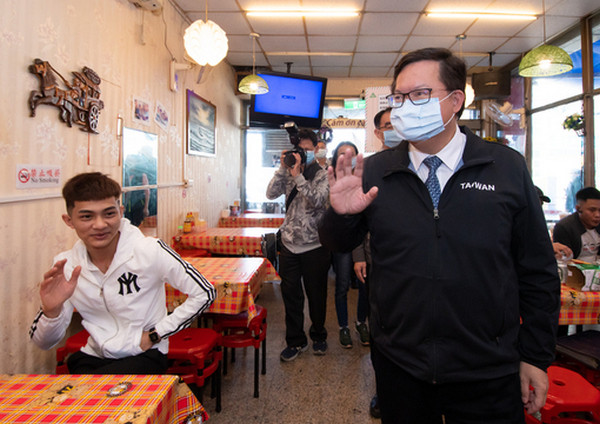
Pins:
<point x="581" y="230"/>
<point x="464" y="292"/>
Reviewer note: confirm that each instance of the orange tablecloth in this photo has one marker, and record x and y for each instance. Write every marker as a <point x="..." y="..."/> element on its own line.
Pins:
<point x="224" y="241"/>
<point x="85" y="399"/>
<point x="271" y="220"/>
<point x="579" y="307"/>
<point x="237" y="280"/>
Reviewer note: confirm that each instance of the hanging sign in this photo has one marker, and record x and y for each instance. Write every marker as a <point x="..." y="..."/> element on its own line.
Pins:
<point x="37" y="176"/>
<point x="344" y="123"/>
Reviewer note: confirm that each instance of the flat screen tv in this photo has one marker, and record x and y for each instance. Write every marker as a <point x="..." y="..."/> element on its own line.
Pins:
<point x="291" y="97"/>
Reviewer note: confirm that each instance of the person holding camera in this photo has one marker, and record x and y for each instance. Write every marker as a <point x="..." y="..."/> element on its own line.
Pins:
<point x="302" y="258"/>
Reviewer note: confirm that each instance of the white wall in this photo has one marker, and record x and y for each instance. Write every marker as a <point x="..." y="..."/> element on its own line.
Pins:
<point x="128" y="48"/>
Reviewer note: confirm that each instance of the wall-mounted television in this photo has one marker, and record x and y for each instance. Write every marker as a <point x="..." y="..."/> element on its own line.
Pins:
<point x="291" y="97"/>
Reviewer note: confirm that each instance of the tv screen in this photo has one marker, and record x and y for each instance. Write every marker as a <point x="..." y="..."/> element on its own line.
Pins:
<point x="291" y="97"/>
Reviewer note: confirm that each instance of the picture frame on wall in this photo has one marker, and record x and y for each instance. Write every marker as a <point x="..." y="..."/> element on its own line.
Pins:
<point x="141" y="111"/>
<point x="201" y="126"/>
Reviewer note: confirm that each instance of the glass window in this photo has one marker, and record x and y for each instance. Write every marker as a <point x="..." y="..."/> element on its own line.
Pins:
<point x="557" y="159"/>
<point x="550" y="89"/>
<point x="596" y="50"/>
<point x="597" y="138"/>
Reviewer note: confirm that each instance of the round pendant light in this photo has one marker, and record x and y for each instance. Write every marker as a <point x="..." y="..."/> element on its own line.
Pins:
<point x="253" y="84"/>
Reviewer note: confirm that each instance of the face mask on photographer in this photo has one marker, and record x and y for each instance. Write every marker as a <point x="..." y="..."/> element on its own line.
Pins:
<point x="310" y="156"/>
<point x="419" y="122"/>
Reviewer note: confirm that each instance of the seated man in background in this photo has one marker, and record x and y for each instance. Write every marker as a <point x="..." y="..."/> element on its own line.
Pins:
<point x="115" y="277"/>
<point x="560" y="250"/>
<point x="580" y="230"/>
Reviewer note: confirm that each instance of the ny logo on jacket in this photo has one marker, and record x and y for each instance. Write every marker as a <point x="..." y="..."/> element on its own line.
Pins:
<point x="128" y="280"/>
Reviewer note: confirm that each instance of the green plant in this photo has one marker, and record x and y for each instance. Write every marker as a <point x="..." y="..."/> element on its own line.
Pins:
<point x="574" y="122"/>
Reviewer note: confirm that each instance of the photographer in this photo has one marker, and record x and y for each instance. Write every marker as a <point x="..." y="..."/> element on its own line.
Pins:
<point x="302" y="258"/>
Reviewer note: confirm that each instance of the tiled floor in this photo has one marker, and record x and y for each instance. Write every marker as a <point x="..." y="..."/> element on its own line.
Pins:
<point x="335" y="388"/>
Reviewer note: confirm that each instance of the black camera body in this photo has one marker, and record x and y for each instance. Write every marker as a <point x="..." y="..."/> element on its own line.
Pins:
<point x="288" y="157"/>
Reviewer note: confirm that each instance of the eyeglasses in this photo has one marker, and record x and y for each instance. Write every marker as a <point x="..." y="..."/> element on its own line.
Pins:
<point x="417" y="97"/>
<point x="385" y="127"/>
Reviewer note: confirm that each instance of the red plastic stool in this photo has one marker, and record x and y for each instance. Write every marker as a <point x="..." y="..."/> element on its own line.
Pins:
<point x="72" y="345"/>
<point x="571" y="399"/>
<point x="236" y="332"/>
<point x="194" y="355"/>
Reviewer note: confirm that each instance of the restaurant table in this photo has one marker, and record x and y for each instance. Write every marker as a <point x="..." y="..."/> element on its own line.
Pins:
<point x="224" y="241"/>
<point x="238" y="282"/>
<point x="270" y="220"/>
<point x="109" y="399"/>
<point x="579" y="307"/>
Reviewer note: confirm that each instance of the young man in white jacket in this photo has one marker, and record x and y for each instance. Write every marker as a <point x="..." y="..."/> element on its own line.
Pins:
<point x="115" y="276"/>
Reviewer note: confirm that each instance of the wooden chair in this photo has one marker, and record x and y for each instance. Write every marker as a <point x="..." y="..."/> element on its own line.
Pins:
<point x="237" y="332"/>
<point x="195" y="354"/>
<point x="571" y="400"/>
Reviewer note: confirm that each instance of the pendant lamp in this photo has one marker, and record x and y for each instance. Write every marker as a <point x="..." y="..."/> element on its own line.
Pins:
<point x="545" y="60"/>
<point x="205" y="42"/>
<point x="253" y="84"/>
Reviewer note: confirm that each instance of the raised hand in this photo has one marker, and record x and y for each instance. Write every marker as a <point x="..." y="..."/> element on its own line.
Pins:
<point x="55" y="289"/>
<point x="345" y="187"/>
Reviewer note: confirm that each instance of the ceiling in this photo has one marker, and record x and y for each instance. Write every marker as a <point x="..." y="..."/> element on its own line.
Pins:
<point x="373" y="41"/>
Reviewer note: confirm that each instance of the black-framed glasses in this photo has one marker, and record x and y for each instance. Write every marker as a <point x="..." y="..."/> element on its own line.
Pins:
<point x="417" y="97"/>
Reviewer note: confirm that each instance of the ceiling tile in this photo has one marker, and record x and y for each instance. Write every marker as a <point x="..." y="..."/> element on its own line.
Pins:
<point x="478" y="44"/>
<point x="287" y="26"/>
<point x="375" y="43"/>
<point x="394" y="5"/>
<point x="388" y="23"/>
<point x="421" y="42"/>
<point x="331" y="71"/>
<point x="337" y="4"/>
<point x="519" y="45"/>
<point x="332" y="26"/>
<point x="272" y="43"/>
<point x="331" y="44"/>
<point x="302" y="70"/>
<point x="447" y="27"/>
<point x="268" y="4"/>
<point x="372" y="72"/>
<point x="295" y="60"/>
<point x="374" y="59"/>
<point x="331" y="60"/>
<point x="200" y="6"/>
<point x="483" y="27"/>
<point x="575" y="8"/>
<point x="245" y="59"/>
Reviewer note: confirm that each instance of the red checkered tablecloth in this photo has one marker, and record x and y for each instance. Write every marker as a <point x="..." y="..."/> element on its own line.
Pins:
<point x="224" y="241"/>
<point x="270" y="220"/>
<point x="109" y="399"/>
<point x="579" y="307"/>
<point x="237" y="280"/>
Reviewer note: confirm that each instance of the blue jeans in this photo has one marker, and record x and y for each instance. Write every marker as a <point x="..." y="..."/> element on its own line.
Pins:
<point x="344" y="272"/>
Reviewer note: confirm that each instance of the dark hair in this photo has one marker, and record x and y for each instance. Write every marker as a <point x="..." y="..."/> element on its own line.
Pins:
<point x="89" y="186"/>
<point x="587" y="193"/>
<point x="453" y="71"/>
<point x="306" y="133"/>
<point x="377" y="119"/>
<point x="337" y="149"/>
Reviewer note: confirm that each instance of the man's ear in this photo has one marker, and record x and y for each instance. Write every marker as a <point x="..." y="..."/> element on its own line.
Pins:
<point x="122" y="209"/>
<point x="458" y="98"/>
<point x="67" y="219"/>
<point x="578" y="207"/>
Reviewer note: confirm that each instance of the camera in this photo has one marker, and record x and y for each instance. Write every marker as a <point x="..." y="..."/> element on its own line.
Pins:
<point x="288" y="157"/>
<point x="292" y="131"/>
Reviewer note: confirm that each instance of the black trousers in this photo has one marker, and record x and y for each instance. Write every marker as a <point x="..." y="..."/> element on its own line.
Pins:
<point x="150" y="362"/>
<point x="311" y="268"/>
<point x="407" y="400"/>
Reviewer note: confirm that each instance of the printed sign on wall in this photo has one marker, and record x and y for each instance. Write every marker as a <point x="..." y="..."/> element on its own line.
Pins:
<point x="38" y="176"/>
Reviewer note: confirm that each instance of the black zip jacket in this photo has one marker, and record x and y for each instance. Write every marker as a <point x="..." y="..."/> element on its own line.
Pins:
<point x="449" y="288"/>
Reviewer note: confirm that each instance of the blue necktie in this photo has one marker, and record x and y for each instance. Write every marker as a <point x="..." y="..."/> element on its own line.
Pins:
<point x="432" y="182"/>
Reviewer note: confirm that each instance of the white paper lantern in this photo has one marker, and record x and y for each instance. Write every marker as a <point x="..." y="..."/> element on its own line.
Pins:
<point x="205" y="42"/>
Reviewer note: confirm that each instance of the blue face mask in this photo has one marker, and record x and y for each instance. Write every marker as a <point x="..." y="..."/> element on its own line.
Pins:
<point x="310" y="156"/>
<point x="419" y="122"/>
<point x="391" y="138"/>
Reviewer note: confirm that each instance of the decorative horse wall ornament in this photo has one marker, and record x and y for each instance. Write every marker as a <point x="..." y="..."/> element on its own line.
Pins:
<point x="79" y="102"/>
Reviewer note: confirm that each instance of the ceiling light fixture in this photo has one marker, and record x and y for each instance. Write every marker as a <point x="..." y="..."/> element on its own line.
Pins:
<point x="472" y="14"/>
<point x="545" y="60"/>
<point x="253" y="84"/>
<point x="307" y="13"/>
<point x="205" y="42"/>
